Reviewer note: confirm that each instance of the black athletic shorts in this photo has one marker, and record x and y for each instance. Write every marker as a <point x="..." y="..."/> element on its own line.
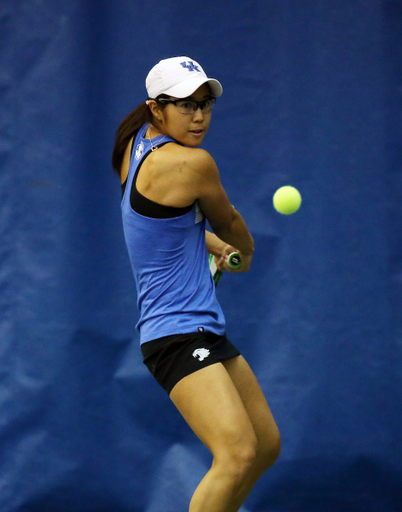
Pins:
<point x="172" y="358"/>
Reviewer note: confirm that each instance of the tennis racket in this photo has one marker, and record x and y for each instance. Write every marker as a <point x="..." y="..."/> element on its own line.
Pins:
<point x="233" y="262"/>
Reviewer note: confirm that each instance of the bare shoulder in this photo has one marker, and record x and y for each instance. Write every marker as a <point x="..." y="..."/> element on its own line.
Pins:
<point x="174" y="175"/>
<point x="194" y="157"/>
<point x="195" y="165"/>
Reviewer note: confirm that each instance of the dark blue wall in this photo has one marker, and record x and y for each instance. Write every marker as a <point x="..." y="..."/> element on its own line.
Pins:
<point x="313" y="98"/>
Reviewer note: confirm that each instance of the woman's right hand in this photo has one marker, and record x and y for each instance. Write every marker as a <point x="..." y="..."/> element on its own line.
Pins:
<point x="222" y="262"/>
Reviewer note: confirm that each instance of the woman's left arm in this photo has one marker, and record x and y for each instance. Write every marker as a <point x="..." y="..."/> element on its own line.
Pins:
<point x="219" y="249"/>
<point x="215" y="245"/>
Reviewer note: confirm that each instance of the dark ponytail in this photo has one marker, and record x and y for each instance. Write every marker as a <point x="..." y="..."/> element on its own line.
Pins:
<point x="128" y="128"/>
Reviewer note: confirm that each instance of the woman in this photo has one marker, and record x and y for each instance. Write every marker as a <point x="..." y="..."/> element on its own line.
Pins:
<point x="170" y="187"/>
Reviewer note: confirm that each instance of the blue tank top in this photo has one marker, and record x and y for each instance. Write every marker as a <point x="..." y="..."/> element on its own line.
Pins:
<point x="175" y="289"/>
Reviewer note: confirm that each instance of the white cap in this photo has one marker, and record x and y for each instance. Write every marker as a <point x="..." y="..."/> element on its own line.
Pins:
<point x="179" y="77"/>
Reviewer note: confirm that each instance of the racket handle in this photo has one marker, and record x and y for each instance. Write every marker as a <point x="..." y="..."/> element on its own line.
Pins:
<point x="234" y="260"/>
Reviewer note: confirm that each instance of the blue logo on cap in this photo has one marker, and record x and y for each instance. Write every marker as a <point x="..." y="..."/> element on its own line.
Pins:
<point x="190" y="66"/>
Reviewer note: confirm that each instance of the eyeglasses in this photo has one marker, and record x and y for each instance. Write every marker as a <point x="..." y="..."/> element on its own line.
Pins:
<point x="191" y="106"/>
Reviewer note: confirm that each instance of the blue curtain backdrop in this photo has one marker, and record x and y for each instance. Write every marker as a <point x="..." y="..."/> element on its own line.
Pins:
<point x="312" y="98"/>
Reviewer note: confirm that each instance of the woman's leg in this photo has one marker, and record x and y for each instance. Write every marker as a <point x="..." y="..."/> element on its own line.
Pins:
<point x="265" y="428"/>
<point x="232" y="423"/>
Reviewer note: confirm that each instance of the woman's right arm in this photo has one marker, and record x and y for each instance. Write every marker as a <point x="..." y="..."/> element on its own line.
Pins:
<point x="225" y="221"/>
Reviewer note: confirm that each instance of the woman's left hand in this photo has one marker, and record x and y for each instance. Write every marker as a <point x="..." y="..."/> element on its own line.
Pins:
<point x="222" y="262"/>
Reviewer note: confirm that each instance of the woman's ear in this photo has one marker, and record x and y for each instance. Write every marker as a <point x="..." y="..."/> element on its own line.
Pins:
<point x="155" y="110"/>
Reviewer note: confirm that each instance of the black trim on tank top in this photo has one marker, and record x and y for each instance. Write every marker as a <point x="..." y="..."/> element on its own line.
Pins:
<point x="146" y="207"/>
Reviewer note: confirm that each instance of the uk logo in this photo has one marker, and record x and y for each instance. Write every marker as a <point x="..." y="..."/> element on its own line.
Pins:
<point x="190" y="66"/>
<point x="201" y="353"/>
<point x="139" y="151"/>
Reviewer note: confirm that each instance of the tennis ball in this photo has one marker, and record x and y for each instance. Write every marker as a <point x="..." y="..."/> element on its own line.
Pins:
<point x="287" y="200"/>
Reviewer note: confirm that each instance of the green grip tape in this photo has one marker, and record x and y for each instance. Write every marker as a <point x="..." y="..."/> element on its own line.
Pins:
<point x="234" y="260"/>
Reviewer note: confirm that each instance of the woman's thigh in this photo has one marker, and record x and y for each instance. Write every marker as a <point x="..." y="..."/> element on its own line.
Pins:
<point x="254" y="402"/>
<point x="211" y="404"/>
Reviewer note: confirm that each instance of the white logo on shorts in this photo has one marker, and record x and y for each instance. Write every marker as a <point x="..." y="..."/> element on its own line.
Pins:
<point x="201" y="353"/>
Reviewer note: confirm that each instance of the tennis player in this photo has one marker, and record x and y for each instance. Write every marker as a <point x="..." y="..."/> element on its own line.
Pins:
<point x="170" y="187"/>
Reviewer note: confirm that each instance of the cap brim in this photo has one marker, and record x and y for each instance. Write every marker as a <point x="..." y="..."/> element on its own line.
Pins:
<point x="187" y="87"/>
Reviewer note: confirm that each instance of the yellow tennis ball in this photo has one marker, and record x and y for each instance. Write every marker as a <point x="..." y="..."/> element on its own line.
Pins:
<point x="287" y="200"/>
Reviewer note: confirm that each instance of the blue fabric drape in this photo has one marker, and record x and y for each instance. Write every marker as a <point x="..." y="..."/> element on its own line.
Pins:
<point x="312" y="98"/>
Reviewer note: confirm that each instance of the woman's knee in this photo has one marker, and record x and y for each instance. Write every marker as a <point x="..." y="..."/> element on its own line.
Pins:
<point x="269" y="451"/>
<point x="239" y="458"/>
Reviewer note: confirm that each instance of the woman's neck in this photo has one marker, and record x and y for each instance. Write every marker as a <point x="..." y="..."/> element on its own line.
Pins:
<point x="153" y="132"/>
